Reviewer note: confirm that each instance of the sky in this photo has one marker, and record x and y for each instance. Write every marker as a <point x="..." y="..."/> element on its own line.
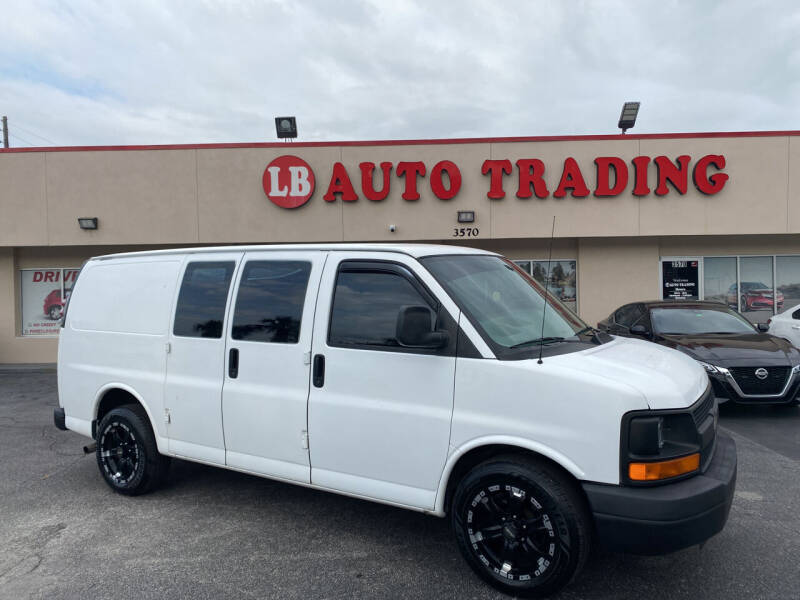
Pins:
<point x="83" y="72"/>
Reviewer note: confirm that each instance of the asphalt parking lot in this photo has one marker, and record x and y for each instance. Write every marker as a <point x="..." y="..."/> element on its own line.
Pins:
<point x="211" y="533"/>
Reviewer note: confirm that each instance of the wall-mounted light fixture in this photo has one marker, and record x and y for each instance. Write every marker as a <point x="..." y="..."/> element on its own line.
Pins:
<point x="286" y="127"/>
<point x="466" y="216"/>
<point x="87" y="222"/>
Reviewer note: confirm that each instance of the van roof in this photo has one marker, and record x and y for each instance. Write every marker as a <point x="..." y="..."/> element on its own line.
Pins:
<point x="415" y="250"/>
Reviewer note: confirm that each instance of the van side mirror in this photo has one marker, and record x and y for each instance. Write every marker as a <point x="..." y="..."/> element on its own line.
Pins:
<point x="640" y="330"/>
<point x="763" y="327"/>
<point x="415" y="329"/>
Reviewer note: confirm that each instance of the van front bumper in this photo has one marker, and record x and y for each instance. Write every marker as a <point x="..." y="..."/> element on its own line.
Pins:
<point x="666" y="518"/>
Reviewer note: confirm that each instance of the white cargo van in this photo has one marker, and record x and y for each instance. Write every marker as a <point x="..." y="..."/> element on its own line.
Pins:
<point x="433" y="378"/>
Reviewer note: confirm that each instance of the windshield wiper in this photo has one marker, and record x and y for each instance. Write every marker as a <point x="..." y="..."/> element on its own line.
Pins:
<point x="585" y="330"/>
<point x="544" y="340"/>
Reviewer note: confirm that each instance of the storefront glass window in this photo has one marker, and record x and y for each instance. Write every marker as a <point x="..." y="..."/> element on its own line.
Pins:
<point x="788" y="282"/>
<point x="755" y="291"/>
<point x="719" y="280"/>
<point x="525" y="265"/>
<point x="44" y="293"/>
<point x="563" y="278"/>
<point x="756" y="286"/>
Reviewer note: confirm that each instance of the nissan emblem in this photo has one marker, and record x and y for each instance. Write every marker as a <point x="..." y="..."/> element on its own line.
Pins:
<point x="762" y="373"/>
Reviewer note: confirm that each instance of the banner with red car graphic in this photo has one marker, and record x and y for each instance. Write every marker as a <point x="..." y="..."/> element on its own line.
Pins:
<point x="44" y="294"/>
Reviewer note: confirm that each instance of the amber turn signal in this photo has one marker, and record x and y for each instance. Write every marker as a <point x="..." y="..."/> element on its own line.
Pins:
<point x="665" y="469"/>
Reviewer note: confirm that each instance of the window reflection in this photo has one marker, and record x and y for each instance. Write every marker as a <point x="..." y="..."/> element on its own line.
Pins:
<point x="719" y="280"/>
<point x="755" y="291"/>
<point x="269" y="303"/>
<point x="366" y="306"/>
<point x="201" y="303"/>
<point x="788" y="280"/>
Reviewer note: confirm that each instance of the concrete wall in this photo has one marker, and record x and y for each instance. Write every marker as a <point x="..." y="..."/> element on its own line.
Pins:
<point x="215" y="195"/>
<point x="614" y="272"/>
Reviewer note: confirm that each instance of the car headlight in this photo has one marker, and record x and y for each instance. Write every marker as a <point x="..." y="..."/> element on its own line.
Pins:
<point x="658" y="447"/>
<point x="709" y="368"/>
<point x="795" y="369"/>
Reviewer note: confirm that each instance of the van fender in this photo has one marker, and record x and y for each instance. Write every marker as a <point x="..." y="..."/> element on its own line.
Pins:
<point x="161" y="442"/>
<point x="505" y="440"/>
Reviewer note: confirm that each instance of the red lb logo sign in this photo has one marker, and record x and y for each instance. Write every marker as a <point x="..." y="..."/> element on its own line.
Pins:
<point x="288" y="181"/>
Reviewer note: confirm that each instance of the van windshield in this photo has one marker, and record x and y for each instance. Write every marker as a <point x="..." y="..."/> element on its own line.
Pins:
<point x="503" y="301"/>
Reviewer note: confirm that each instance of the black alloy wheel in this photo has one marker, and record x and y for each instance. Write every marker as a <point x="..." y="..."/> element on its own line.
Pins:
<point x="521" y="525"/>
<point x="127" y="454"/>
<point x="119" y="452"/>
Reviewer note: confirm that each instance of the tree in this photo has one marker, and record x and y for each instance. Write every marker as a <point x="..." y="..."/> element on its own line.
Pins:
<point x="558" y="273"/>
<point x="538" y="272"/>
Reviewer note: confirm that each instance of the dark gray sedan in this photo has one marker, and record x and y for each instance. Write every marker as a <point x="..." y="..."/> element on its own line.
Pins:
<point x="744" y="363"/>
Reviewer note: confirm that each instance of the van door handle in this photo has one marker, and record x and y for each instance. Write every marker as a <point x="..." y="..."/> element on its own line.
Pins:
<point x="233" y="363"/>
<point x="318" y="372"/>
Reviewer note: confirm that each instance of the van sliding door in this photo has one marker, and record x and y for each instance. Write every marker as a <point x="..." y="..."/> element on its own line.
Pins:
<point x="267" y="363"/>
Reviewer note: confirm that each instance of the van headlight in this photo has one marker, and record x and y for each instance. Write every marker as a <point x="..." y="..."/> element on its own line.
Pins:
<point x="657" y="447"/>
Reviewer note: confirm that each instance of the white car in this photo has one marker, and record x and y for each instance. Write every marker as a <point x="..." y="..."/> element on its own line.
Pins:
<point x="432" y="378"/>
<point x="787" y="325"/>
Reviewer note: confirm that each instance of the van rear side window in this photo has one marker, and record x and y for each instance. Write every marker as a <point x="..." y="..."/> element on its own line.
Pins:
<point x="201" y="303"/>
<point x="269" y="303"/>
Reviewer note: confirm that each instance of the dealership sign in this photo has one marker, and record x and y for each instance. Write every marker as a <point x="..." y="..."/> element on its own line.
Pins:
<point x="289" y="180"/>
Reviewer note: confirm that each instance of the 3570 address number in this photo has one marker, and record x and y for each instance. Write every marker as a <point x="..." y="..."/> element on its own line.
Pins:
<point x="465" y="232"/>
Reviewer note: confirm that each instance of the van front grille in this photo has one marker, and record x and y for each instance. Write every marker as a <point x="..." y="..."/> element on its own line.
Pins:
<point x="702" y="407"/>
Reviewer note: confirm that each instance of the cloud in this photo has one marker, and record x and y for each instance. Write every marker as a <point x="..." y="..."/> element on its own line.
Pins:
<point x="86" y="72"/>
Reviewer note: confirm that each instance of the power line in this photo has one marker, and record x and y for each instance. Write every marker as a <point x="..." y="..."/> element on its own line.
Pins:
<point x="41" y="137"/>
<point x="21" y="139"/>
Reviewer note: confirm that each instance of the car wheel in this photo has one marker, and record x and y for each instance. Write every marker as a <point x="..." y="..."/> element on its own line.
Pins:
<point x="521" y="525"/>
<point x="127" y="454"/>
<point x="54" y="312"/>
<point x="744" y="304"/>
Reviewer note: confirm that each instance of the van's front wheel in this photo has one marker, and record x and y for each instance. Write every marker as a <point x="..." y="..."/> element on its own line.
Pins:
<point x="521" y="525"/>
<point x="127" y="454"/>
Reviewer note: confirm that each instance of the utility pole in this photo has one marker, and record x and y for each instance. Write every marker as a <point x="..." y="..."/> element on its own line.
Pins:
<point x="5" y="132"/>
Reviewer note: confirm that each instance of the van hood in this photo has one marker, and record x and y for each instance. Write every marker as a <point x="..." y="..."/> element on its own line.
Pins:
<point x="736" y="350"/>
<point x="665" y="378"/>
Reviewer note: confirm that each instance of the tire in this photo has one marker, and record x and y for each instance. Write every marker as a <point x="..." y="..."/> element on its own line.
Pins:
<point x="54" y="312"/>
<point x="744" y="304"/>
<point x="510" y="496"/>
<point x="127" y="455"/>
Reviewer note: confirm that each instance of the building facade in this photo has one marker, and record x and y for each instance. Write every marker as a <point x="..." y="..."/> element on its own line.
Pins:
<point x="710" y="216"/>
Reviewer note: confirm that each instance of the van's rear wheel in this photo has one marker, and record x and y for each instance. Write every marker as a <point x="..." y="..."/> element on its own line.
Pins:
<point x="127" y="454"/>
<point x="521" y="525"/>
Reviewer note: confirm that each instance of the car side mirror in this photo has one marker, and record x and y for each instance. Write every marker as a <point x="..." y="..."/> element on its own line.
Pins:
<point x="763" y="327"/>
<point x="640" y="330"/>
<point x="415" y="329"/>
